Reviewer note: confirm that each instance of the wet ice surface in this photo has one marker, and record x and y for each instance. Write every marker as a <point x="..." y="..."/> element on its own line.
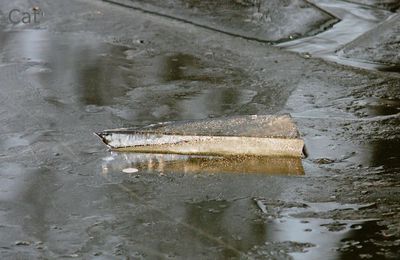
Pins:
<point x="57" y="199"/>
<point x="355" y="20"/>
<point x="61" y="87"/>
<point x="378" y="45"/>
<point x="387" y="4"/>
<point x="301" y="222"/>
<point x="261" y="20"/>
<point x="162" y="85"/>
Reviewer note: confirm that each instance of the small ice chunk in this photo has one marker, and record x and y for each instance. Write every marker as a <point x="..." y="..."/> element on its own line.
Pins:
<point x="130" y="170"/>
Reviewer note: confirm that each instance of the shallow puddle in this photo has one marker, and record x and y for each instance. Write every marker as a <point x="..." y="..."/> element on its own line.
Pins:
<point x="386" y="154"/>
<point x="382" y="155"/>
<point x="373" y="107"/>
<point x="310" y="225"/>
<point x="69" y="68"/>
<point x="102" y="74"/>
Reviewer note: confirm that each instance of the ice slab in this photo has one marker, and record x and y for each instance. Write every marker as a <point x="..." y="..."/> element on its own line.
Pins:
<point x="259" y="135"/>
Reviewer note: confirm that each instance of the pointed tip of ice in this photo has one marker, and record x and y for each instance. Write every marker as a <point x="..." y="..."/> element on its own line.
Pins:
<point x="99" y="134"/>
<point x="102" y="136"/>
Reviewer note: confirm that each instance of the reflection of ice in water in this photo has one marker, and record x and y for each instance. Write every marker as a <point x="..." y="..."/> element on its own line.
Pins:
<point x="80" y="66"/>
<point x="31" y="45"/>
<point x="213" y="101"/>
<point x="171" y="163"/>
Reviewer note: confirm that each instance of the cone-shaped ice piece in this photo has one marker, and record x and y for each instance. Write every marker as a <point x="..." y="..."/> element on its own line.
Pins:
<point x="260" y="135"/>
